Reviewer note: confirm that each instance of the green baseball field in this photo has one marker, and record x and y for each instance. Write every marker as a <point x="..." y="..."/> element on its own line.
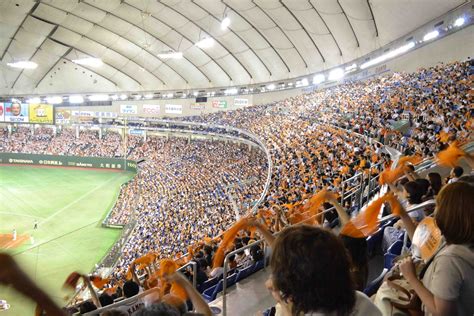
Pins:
<point x="69" y="206"/>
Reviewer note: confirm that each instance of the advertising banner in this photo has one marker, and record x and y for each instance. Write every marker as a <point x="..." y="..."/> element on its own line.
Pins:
<point x="106" y="114"/>
<point x="137" y="132"/>
<point x="151" y="109"/>
<point x="128" y="109"/>
<point x="68" y="161"/>
<point x="241" y="102"/>
<point x="83" y="113"/>
<point x="221" y="104"/>
<point x="41" y="113"/>
<point x="62" y="116"/>
<point x="16" y="112"/>
<point x="173" y="108"/>
<point x="2" y="112"/>
<point x="198" y="106"/>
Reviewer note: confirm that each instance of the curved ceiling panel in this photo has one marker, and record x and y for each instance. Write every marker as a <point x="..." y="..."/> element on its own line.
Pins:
<point x="266" y="40"/>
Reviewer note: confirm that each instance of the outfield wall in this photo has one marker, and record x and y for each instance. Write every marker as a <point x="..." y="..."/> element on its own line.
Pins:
<point x="68" y="161"/>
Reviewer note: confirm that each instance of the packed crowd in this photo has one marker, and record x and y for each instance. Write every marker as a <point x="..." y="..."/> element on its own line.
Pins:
<point x="309" y="153"/>
<point x="181" y="194"/>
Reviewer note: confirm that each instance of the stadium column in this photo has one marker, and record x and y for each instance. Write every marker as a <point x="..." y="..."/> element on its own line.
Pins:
<point x="9" y="127"/>
<point x="100" y="132"/>
<point x="77" y="131"/>
<point x="32" y="126"/>
<point x="144" y="136"/>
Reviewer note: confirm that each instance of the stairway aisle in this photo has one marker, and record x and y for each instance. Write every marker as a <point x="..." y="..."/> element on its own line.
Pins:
<point x="248" y="297"/>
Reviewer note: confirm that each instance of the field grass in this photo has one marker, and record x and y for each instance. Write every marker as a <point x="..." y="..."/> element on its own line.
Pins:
<point x="69" y="205"/>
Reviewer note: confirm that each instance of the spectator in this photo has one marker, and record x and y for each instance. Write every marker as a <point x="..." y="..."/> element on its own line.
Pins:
<point x="447" y="288"/>
<point x="311" y="274"/>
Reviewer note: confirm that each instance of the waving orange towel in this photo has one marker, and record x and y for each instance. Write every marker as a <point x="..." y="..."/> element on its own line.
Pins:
<point x="450" y="156"/>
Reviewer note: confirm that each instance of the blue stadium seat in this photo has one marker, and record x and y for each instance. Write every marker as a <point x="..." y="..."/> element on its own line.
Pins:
<point x="374" y="285"/>
<point x="258" y="266"/>
<point x="208" y="284"/>
<point x="211" y="293"/>
<point x="388" y="260"/>
<point x="396" y="248"/>
<point x="242" y="274"/>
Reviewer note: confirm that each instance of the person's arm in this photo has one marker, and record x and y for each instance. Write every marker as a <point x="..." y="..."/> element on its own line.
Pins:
<point x="11" y="274"/>
<point x="199" y="303"/>
<point x="395" y="190"/>
<point x="407" y="222"/>
<point x="94" y="296"/>
<point x="134" y="274"/>
<point x="267" y="235"/>
<point x="341" y="212"/>
<point x="435" y="305"/>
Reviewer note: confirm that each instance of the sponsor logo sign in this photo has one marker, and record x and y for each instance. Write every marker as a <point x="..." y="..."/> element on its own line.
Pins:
<point x="151" y="109"/>
<point x="173" y="108"/>
<point x="241" y="102"/>
<point x="198" y="106"/>
<point x="221" y="104"/>
<point x="16" y="112"/>
<point x="128" y="109"/>
<point x="41" y="113"/>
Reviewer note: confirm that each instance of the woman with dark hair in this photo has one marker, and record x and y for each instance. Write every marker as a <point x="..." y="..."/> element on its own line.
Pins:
<point x="311" y="274"/>
<point x="447" y="287"/>
<point x="435" y="183"/>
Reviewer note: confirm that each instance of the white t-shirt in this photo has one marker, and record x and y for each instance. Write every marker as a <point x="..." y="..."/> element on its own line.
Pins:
<point x="363" y="307"/>
<point x="132" y="307"/>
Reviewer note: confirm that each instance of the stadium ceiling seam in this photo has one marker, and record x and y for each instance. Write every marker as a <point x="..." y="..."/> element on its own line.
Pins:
<point x="78" y="65"/>
<point x="373" y="18"/>
<point x="95" y="24"/>
<point x="118" y="53"/>
<point x="304" y="29"/>
<point x="18" y="29"/>
<point x="156" y="38"/>
<point x="51" y="68"/>
<point x="276" y="25"/>
<point x="259" y="32"/>
<point x="238" y="36"/>
<point x="187" y="38"/>
<point x="36" y="50"/>
<point x="200" y="28"/>
<point x="111" y="66"/>
<point x="327" y="27"/>
<point x="348" y="21"/>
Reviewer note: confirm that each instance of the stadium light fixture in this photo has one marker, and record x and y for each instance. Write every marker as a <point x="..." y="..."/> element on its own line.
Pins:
<point x="231" y="91"/>
<point x="271" y="86"/>
<point x="170" y="55"/>
<point x="336" y="74"/>
<point x="169" y="95"/>
<point x="149" y="96"/>
<point x="25" y="64"/>
<point x="317" y="79"/>
<point x="34" y="100"/>
<point x="114" y="97"/>
<point x="392" y="54"/>
<point x="290" y="84"/>
<point x="89" y="61"/>
<point x="225" y="23"/>
<point x="206" y="42"/>
<point x="431" y="35"/>
<point x="123" y="96"/>
<point x="184" y="95"/>
<point x="76" y="99"/>
<point x="196" y="93"/>
<point x="99" y="97"/>
<point x="54" y="100"/>
<point x="137" y="96"/>
<point x="459" y="22"/>
<point x="351" y="68"/>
